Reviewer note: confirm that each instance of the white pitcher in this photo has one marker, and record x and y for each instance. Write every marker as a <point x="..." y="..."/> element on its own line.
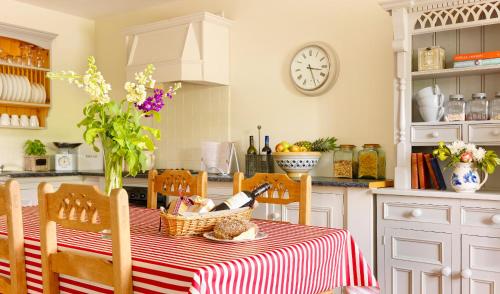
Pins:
<point x="465" y="178"/>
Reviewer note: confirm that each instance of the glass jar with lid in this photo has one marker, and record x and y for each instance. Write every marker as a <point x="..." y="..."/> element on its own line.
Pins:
<point x="381" y="163"/>
<point x="368" y="162"/>
<point x="344" y="162"/>
<point x="478" y="107"/>
<point x="455" y="108"/>
<point x="495" y="107"/>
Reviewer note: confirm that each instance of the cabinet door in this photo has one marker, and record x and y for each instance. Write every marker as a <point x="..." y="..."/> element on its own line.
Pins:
<point x="327" y="210"/>
<point x="417" y="262"/>
<point x="480" y="265"/>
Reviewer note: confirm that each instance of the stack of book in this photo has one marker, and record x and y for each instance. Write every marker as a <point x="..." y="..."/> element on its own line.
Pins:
<point x="476" y="59"/>
<point x="426" y="173"/>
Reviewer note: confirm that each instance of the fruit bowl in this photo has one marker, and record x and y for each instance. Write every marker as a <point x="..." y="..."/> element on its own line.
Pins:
<point x="296" y="164"/>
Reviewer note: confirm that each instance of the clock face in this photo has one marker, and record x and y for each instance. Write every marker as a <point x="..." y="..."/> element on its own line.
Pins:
<point x="64" y="161"/>
<point x="313" y="68"/>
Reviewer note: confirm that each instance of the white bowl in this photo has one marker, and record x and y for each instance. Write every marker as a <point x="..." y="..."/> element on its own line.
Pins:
<point x="296" y="164"/>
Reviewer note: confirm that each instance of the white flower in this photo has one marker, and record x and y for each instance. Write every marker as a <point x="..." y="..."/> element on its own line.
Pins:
<point x="479" y="154"/>
<point x="470" y="147"/>
<point x="456" y="147"/>
<point x="151" y="83"/>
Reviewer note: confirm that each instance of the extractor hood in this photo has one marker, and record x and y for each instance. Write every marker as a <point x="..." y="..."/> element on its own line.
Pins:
<point x="192" y="48"/>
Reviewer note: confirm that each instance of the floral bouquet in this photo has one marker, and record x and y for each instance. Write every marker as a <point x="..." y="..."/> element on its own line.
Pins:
<point x="118" y="123"/>
<point x="459" y="151"/>
<point x="466" y="160"/>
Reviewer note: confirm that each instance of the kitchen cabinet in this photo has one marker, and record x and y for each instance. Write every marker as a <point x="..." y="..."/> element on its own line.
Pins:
<point x="442" y="242"/>
<point x="29" y="186"/>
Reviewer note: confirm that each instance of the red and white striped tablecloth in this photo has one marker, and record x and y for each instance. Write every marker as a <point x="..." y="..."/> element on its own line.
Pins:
<point x="292" y="259"/>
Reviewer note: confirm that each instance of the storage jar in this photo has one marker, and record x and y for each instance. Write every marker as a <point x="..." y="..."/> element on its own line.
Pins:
<point x="344" y="162"/>
<point x="455" y="108"/>
<point x="371" y="162"/>
<point x="495" y="107"/>
<point x="478" y="107"/>
<point x="431" y="58"/>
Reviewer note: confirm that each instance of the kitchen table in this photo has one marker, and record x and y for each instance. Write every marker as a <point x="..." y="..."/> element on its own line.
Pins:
<point x="292" y="259"/>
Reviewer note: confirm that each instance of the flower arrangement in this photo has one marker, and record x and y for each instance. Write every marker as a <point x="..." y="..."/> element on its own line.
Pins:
<point x="118" y="123"/>
<point x="460" y="152"/>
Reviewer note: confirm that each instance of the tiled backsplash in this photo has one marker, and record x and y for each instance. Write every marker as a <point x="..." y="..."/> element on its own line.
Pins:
<point x="197" y="113"/>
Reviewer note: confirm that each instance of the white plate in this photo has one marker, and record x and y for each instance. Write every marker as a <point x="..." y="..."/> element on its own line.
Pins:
<point x="10" y="88"/>
<point x="34" y="93"/>
<point x="1" y="86"/>
<point x="210" y="236"/>
<point x="44" y="94"/>
<point x="27" y="87"/>
<point x="5" y="86"/>
<point x="20" y="85"/>
<point x="17" y="88"/>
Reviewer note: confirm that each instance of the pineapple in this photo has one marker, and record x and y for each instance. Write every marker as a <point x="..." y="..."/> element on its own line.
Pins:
<point x="304" y="144"/>
<point x="324" y="144"/>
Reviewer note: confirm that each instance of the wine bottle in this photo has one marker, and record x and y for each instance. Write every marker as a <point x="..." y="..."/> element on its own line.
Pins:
<point x="266" y="149"/>
<point x="242" y="199"/>
<point x="251" y="149"/>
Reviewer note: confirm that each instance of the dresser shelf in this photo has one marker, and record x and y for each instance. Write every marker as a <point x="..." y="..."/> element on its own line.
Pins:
<point x="455" y="72"/>
<point x="22" y="128"/>
<point x="23" y="104"/>
<point x="24" y="66"/>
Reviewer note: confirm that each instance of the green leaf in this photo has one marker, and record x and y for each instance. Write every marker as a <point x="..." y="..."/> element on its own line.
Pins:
<point x="155" y="132"/>
<point x="90" y="134"/>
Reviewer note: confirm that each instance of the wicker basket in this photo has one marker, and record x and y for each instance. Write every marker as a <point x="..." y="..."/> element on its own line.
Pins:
<point x="176" y="225"/>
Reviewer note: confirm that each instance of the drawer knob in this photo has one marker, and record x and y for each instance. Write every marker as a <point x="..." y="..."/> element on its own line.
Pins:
<point x="435" y="134"/>
<point x="496" y="219"/>
<point x="417" y="212"/>
<point x="446" y="271"/>
<point x="466" y="273"/>
<point x="275" y="216"/>
<point x="495" y="132"/>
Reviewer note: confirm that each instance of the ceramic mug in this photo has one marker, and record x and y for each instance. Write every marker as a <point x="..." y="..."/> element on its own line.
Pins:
<point x="33" y="121"/>
<point x="4" y="119"/>
<point x="428" y="91"/>
<point x="431" y="114"/>
<point x="14" y="120"/>
<point x="24" y="121"/>
<point x="435" y="100"/>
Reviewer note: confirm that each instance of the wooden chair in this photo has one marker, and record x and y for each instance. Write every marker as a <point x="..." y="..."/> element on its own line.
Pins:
<point x="85" y="208"/>
<point x="280" y="184"/>
<point x="12" y="248"/>
<point x="170" y="181"/>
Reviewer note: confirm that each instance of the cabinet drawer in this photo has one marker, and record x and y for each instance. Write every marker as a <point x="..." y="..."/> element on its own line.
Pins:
<point x="436" y="134"/>
<point x="417" y="212"/>
<point x="481" y="217"/>
<point x="484" y="133"/>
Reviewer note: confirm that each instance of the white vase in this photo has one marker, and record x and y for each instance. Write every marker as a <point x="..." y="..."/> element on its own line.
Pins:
<point x="465" y="178"/>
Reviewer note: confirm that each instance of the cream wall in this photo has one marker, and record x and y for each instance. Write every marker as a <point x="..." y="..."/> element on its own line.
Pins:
<point x="74" y="43"/>
<point x="357" y="110"/>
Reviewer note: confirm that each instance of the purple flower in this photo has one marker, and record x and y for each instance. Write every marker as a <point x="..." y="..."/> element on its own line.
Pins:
<point x="153" y="103"/>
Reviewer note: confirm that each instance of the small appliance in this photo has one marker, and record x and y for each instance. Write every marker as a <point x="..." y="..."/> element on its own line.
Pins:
<point x="66" y="157"/>
<point x="89" y="159"/>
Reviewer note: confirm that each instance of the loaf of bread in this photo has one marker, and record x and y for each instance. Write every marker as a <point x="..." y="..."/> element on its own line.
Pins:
<point x="235" y="229"/>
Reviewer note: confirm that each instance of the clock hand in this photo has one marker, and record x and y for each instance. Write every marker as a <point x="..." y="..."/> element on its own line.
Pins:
<point x="312" y="74"/>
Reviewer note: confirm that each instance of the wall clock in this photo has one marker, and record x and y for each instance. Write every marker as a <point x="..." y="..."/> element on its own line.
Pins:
<point x="314" y="68"/>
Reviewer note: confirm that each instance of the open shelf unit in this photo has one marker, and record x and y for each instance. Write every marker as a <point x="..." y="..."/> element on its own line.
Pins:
<point x="13" y="42"/>
<point x="456" y="72"/>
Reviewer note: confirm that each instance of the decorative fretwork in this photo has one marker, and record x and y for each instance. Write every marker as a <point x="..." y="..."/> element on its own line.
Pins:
<point x="76" y="207"/>
<point x="174" y="183"/>
<point x="282" y="187"/>
<point x="461" y="14"/>
<point x="79" y="207"/>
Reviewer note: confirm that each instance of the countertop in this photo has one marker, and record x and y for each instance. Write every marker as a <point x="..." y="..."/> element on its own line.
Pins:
<point x="316" y="181"/>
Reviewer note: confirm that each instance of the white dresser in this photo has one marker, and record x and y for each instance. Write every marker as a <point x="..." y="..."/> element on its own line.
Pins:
<point x="438" y="242"/>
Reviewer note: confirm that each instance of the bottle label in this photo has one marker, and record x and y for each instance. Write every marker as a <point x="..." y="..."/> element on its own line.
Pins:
<point x="238" y="200"/>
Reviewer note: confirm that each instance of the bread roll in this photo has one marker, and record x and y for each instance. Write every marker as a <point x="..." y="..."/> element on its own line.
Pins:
<point x="235" y="229"/>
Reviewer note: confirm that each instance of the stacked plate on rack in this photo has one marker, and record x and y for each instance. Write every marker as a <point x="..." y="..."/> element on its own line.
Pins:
<point x="19" y="89"/>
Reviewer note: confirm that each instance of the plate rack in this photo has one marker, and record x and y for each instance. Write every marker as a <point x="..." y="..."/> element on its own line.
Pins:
<point x="12" y="39"/>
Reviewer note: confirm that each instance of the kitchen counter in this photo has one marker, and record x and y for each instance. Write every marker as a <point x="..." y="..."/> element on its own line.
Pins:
<point x="316" y="181"/>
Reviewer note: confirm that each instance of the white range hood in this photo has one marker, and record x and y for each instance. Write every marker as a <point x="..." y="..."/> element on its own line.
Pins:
<point x="192" y="48"/>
